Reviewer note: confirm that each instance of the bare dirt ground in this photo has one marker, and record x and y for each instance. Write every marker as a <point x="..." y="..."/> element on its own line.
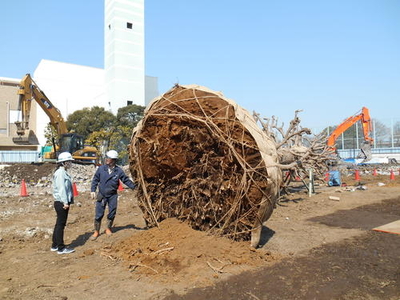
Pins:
<point x="312" y="248"/>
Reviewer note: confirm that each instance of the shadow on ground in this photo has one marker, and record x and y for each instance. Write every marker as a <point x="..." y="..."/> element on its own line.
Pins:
<point x="364" y="267"/>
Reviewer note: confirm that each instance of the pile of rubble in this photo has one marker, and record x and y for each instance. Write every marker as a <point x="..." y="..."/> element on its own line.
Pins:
<point x="38" y="178"/>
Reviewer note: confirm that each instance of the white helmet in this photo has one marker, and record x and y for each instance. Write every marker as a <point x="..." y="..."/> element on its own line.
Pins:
<point x="112" y="154"/>
<point x="64" y="156"/>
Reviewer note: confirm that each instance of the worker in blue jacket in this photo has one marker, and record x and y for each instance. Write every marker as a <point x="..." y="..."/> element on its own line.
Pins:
<point x="107" y="179"/>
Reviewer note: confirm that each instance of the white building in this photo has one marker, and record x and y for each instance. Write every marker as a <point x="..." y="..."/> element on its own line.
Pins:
<point x="69" y="87"/>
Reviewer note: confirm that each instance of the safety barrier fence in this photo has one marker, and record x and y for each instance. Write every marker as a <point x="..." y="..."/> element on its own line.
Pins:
<point x="19" y="156"/>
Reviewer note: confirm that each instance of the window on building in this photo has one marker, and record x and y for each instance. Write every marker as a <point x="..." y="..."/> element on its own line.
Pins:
<point x="15" y="115"/>
<point x="129" y="25"/>
<point x="129" y="102"/>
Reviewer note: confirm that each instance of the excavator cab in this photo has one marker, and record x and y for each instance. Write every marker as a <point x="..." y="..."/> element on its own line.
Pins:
<point x="71" y="142"/>
<point x="74" y="144"/>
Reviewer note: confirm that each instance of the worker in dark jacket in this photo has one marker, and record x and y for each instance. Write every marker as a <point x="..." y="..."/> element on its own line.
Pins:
<point x="107" y="179"/>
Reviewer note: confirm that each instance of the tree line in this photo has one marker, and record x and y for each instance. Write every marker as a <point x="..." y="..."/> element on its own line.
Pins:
<point x="102" y="129"/>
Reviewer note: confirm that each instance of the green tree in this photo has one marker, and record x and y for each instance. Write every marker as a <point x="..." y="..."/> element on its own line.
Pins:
<point x="127" y="119"/>
<point x="105" y="131"/>
<point x="50" y="133"/>
<point x="120" y="141"/>
<point x="88" y="120"/>
<point x="130" y="115"/>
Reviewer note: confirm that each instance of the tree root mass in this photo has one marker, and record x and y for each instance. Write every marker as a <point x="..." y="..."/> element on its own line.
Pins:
<point x="195" y="160"/>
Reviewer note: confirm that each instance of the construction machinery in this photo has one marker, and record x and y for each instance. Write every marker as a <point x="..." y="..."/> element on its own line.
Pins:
<point x="71" y="142"/>
<point x="366" y="123"/>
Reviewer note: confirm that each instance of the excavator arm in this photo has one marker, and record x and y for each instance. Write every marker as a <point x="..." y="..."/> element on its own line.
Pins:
<point x="365" y="119"/>
<point x="28" y="91"/>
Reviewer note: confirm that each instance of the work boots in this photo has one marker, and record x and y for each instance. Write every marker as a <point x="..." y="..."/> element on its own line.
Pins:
<point x="109" y="225"/>
<point x="96" y="233"/>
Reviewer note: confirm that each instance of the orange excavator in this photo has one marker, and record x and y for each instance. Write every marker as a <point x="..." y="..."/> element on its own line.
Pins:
<point x="366" y="123"/>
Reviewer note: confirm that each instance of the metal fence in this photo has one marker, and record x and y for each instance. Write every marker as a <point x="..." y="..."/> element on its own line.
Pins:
<point x="376" y="152"/>
<point x="19" y="156"/>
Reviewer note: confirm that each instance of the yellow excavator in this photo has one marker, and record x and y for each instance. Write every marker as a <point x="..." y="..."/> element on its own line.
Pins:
<point x="71" y="142"/>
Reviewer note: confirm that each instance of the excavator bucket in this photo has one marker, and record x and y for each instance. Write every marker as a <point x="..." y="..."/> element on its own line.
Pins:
<point x="21" y="140"/>
<point x="30" y="139"/>
<point x="366" y="153"/>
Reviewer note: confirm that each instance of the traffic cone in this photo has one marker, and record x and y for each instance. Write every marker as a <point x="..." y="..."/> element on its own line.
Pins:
<point x="327" y="176"/>
<point x="120" y="187"/>
<point x="23" y="189"/>
<point x="357" y="175"/>
<point x="391" y="175"/>
<point x="374" y="173"/>
<point x="74" y="189"/>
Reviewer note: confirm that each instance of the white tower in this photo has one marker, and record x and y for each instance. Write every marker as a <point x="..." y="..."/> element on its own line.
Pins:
<point x="124" y="53"/>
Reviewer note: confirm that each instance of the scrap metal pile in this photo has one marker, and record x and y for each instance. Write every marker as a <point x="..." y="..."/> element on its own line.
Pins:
<point x="199" y="157"/>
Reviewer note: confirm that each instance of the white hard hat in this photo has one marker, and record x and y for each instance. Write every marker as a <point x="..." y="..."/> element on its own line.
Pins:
<point x="64" y="156"/>
<point x="112" y="154"/>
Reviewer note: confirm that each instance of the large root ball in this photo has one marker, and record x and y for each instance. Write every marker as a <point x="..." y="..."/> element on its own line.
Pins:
<point x="202" y="159"/>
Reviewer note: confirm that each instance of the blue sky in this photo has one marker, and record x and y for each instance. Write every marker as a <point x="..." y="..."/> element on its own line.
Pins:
<point x="328" y="58"/>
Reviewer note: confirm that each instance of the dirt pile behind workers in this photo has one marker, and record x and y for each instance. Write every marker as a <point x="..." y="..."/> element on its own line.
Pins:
<point x="38" y="177"/>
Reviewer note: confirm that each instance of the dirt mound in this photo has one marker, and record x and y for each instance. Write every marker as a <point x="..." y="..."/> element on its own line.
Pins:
<point x="31" y="173"/>
<point x="175" y="251"/>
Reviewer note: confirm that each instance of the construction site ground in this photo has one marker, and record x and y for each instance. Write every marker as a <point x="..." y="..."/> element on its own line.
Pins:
<point x="318" y="247"/>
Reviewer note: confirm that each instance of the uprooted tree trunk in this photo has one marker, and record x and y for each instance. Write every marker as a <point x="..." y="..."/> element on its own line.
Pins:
<point x="297" y="149"/>
<point x="201" y="158"/>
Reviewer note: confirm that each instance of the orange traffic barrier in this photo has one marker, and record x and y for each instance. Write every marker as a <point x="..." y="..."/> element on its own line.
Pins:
<point x="120" y="187"/>
<point x="23" y="189"/>
<point x="391" y="175"/>
<point x="374" y="173"/>
<point x="357" y="175"/>
<point x="74" y="189"/>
